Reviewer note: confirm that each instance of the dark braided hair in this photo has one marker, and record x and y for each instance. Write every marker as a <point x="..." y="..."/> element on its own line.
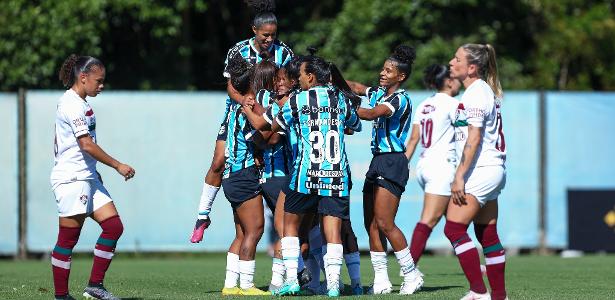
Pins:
<point x="263" y="12"/>
<point x="404" y="57"/>
<point x="435" y="75"/>
<point x="75" y="65"/>
<point x="241" y="73"/>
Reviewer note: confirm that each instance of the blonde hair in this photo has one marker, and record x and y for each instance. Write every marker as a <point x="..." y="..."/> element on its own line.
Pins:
<point x="483" y="56"/>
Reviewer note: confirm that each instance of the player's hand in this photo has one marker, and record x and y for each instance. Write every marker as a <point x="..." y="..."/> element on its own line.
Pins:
<point x="248" y="101"/>
<point x="458" y="193"/>
<point x="125" y="170"/>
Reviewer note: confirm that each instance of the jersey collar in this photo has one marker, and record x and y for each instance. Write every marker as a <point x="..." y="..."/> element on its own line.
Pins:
<point x="251" y="41"/>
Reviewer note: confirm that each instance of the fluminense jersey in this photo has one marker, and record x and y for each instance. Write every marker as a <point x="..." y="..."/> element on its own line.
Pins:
<point x="482" y="109"/>
<point x="318" y="117"/>
<point x="74" y="118"/>
<point x="277" y="159"/>
<point x="390" y="132"/>
<point x="239" y="151"/>
<point x="437" y="118"/>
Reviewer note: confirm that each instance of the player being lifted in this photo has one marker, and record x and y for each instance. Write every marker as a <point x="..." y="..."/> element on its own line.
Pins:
<point x="76" y="184"/>
<point x="481" y="175"/>
<point x="387" y="176"/>
<point x="265" y="27"/>
<point x="433" y="126"/>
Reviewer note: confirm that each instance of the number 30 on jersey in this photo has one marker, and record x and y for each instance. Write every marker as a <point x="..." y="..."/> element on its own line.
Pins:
<point x="325" y="147"/>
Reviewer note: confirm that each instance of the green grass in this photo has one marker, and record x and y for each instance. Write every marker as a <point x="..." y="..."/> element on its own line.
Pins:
<point x="202" y="276"/>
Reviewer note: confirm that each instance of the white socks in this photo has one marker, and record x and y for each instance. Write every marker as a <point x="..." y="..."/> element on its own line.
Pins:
<point x="353" y="264"/>
<point x="207" y="200"/>
<point x="333" y="265"/>
<point x="405" y="260"/>
<point x="232" y="270"/>
<point x="379" y="262"/>
<point x="246" y="273"/>
<point x="277" y="272"/>
<point x="291" y="253"/>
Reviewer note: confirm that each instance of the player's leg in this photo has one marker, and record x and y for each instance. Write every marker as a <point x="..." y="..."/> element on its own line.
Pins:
<point x="270" y="190"/>
<point x="331" y="229"/>
<point x="72" y="214"/>
<point x="252" y="220"/>
<point x="377" y="243"/>
<point x="232" y="261"/>
<point x="352" y="257"/>
<point x="213" y="180"/>
<point x="485" y="227"/>
<point x="434" y="207"/>
<point x="304" y="275"/>
<point x="315" y="261"/>
<point x="457" y="220"/>
<point x="106" y="215"/>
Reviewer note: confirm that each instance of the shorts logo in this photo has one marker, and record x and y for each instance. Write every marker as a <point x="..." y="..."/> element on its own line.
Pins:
<point x="83" y="199"/>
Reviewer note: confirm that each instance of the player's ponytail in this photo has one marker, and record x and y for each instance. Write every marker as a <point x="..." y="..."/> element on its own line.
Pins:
<point x="435" y="75"/>
<point x="338" y="81"/>
<point x="404" y="57"/>
<point x="74" y="65"/>
<point x="263" y="12"/>
<point x="483" y="56"/>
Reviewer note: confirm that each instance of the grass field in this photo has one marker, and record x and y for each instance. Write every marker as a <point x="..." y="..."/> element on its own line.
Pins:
<point x="202" y="276"/>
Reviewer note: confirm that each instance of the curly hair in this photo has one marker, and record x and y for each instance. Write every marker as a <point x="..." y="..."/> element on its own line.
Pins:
<point x="404" y="57"/>
<point x="263" y="12"/>
<point x="240" y="73"/>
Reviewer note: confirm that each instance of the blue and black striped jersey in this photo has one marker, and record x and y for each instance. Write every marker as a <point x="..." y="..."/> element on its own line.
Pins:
<point x="239" y="150"/>
<point x="318" y="117"/>
<point x="277" y="159"/>
<point x="390" y="132"/>
<point x="280" y="54"/>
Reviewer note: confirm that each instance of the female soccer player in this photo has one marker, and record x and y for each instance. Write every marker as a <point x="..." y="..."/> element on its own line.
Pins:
<point x="434" y="126"/>
<point x="481" y="175"/>
<point x="320" y="179"/>
<point x="76" y="184"/>
<point x="265" y="27"/>
<point x="242" y="189"/>
<point x="387" y="176"/>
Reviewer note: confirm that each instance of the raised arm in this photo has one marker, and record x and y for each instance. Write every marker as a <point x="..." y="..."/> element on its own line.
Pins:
<point x="357" y="88"/>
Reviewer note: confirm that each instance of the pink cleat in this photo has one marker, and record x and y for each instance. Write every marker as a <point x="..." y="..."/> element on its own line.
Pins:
<point x="199" y="230"/>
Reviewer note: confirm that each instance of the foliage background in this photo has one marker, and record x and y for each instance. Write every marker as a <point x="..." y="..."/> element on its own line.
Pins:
<point x="181" y="45"/>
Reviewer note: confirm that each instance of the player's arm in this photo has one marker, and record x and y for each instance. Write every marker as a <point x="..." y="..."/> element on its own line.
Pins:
<point x="87" y="144"/>
<point x="257" y="120"/>
<point x="234" y="94"/>
<point x="413" y="141"/>
<point x="357" y="88"/>
<point x="369" y="114"/>
<point x="469" y="153"/>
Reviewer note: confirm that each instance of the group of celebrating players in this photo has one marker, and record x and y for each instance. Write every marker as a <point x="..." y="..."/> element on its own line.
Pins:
<point x="282" y="139"/>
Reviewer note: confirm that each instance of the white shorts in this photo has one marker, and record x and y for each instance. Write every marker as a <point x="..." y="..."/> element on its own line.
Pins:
<point x="486" y="183"/>
<point x="80" y="197"/>
<point x="435" y="176"/>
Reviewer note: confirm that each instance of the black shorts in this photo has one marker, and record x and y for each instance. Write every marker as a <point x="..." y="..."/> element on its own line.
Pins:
<point x="271" y="190"/>
<point x="299" y="203"/>
<point x="241" y="186"/>
<point x="388" y="170"/>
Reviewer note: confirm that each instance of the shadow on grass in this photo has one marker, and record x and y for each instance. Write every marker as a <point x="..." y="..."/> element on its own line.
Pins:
<point x="439" y="288"/>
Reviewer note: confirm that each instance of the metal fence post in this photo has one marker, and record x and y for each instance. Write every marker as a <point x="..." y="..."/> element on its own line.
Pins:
<point x="542" y="209"/>
<point x="22" y="179"/>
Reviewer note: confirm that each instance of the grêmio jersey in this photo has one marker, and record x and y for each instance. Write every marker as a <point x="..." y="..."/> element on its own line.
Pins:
<point x="277" y="158"/>
<point x="389" y="133"/>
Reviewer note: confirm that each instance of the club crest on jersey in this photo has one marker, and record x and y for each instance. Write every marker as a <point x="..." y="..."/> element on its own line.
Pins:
<point x="460" y="117"/>
<point x="83" y="199"/>
<point x="428" y="109"/>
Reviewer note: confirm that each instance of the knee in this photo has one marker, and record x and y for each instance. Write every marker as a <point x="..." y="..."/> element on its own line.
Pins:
<point x="486" y="234"/>
<point x="385" y="225"/>
<point x="113" y="226"/>
<point x="431" y="221"/>
<point x="454" y="230"/>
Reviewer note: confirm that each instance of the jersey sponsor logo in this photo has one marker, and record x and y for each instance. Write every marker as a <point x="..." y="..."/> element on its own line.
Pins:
<point x="460" y="136"/>
<point x="378" y="125"/>
<point x="321" y="122"/>
<point x="306" y="110"/>
<point x="476" y="112"/>
<point x="79" y="122"/>
<point x="325" y="173"/>
<point x="324" y="186"/>
<point x="428" y="109"/>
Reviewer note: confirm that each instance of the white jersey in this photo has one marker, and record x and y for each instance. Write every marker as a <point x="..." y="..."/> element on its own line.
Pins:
<point x="436" y="117"/>
<point x="483" y="110"/>
<point x="74" y="118"/>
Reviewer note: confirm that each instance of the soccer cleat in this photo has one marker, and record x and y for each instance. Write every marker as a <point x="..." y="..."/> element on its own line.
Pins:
<point x="232" y="291"/>
<point x="412" y="283"/>
<point x="380" y="288"/>
<point x="476" y="296"/>
<point x="199" y="229"/>
<point x="334" y="288"/>
<point x="273" y="288"/>
<point x="357" y="289"/>
<point x="253" y="291"/>
<point x="335" y="292"/>
<point x="66" y="297"/>
<point x="304" y="278"/>
<point x="289" y="288"/>
<point x="98" y="292"/>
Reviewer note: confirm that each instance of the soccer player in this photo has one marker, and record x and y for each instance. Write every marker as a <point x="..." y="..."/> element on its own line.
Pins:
<point x="434" y="126"/>
<point x="76" y="184"/>
<point x="387" y="176"/>
<point x="242" y="189"/>
<point x="320" y="180"/>
<point x="264" y="26"/>
<point x="481" y="175"/>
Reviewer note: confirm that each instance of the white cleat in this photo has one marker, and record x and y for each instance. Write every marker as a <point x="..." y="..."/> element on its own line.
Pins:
<point x="476" y="296"/>
<point x="380" y="288"/>
<point x="412" y="283"/>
